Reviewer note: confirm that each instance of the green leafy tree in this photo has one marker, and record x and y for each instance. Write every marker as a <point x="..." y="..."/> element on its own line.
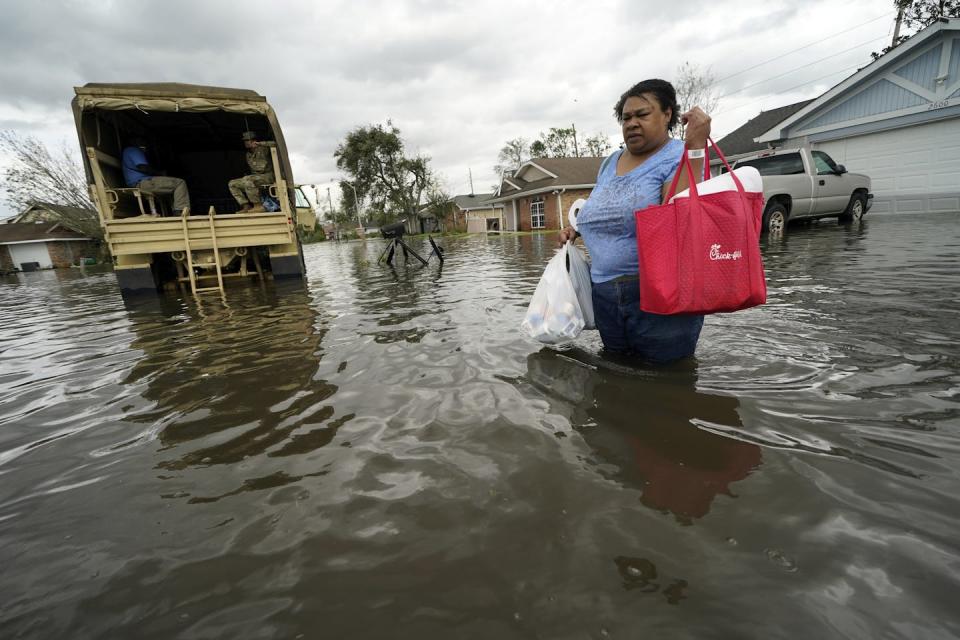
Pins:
<point x="914" y="15"/>
<point x="559" y="142"/>
<point x="375" y="159"/>
<point x="441" y="206"/>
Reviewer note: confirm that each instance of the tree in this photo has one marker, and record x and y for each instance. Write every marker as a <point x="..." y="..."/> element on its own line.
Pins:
<point x="917" y="14"/>
<point x="441" y="206"/>
<point x="695" y="88"/>
<point x="596" y="146"/>
<point x="558" y="142"/>
<point x="35" y="175"/>
<point x="511" y="156"/>
<point x="374" y="158"/>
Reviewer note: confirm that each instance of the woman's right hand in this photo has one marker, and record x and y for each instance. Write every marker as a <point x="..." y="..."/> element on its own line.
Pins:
<point x="566" y="235"/>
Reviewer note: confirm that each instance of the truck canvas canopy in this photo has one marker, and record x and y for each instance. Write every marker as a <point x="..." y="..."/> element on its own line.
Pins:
<point x="194" y="133"/>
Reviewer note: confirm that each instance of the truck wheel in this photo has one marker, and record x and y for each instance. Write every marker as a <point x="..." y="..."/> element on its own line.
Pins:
<point x="775" y="218"/>
<point x="855" y="210"/>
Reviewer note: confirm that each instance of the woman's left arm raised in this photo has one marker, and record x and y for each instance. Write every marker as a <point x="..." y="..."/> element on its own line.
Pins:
<point x="697" y="131"/>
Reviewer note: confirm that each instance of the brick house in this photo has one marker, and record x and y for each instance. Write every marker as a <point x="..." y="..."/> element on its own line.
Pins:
<point x="539" y="194"/>
<point x="26" y="246"/>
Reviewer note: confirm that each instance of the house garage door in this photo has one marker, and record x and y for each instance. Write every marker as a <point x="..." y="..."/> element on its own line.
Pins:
<point x="913" y="169"/>
<point x="30" y="252"/>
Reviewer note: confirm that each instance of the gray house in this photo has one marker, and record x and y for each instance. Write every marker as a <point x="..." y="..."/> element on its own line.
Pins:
<point x="896" y="120"/>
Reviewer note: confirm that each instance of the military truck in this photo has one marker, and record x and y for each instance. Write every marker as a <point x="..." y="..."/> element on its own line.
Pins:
<point x="191" y="132"/>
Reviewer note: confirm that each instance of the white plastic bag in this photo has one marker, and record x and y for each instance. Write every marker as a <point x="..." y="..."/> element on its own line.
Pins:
<point x="579" y="270"/>
<point x="561" y="306"/>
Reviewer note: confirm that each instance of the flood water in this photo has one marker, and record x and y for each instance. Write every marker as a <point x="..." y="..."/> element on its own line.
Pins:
<point x="382" y="454"/>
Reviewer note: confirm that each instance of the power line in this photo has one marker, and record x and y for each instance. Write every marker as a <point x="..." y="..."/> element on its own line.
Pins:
<point x="802" y="84"/>
<point x="804" y="66"/>
<point x="806" y="46"/>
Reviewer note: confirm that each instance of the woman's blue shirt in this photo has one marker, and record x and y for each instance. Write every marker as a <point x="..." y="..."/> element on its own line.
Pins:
<point x="606" y="221"/>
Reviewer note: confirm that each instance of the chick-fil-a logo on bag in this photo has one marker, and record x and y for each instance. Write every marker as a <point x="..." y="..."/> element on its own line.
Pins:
<point x="716" y="254"/>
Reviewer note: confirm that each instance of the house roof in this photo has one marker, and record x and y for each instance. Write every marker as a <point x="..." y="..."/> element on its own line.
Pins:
<point x="546" y="174"/>
<point x="778" y="130"/>
<point x="472" y="201"/>
<point x="35" y="232"/>
<point x="73" y="218"/>
<point x="741" y="141"/>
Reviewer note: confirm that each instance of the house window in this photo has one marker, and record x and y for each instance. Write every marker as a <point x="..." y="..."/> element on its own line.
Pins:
<point x="537" y="217"/>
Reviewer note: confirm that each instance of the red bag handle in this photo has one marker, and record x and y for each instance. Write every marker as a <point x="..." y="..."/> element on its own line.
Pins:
<point x="685" y="162"/>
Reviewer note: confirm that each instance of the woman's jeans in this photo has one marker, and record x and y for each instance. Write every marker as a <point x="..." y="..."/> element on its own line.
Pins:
<point x="624" y="328"/>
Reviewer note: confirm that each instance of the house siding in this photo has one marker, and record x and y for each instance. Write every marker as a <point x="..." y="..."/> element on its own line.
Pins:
<point x="922" y="71"/>
<point x="882" y="97"/>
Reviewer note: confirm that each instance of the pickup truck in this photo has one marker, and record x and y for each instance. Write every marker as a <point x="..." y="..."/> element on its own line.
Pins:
<point x="807" y="184"/>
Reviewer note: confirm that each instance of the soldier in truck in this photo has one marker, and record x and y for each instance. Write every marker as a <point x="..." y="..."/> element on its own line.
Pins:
<point x="246" y="190"/>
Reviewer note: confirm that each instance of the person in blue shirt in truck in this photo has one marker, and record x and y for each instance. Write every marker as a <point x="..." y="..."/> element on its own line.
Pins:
<point x="139" y="173"/>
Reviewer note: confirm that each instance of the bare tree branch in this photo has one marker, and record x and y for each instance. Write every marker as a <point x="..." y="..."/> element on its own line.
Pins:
<point x="695" y="88"/>
<point x="37" y="175"/>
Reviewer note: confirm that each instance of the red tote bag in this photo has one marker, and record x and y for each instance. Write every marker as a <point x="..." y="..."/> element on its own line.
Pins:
<point x="701" y="254"/>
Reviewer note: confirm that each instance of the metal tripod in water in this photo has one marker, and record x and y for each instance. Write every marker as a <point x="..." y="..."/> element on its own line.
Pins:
<point x="394" y="233"/>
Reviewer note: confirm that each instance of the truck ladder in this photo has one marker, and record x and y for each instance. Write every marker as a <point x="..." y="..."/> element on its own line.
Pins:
<point x="216" y="254"/>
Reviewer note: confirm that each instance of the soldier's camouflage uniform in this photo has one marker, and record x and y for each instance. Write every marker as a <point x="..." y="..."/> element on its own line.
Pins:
<point x="247" y="189"/>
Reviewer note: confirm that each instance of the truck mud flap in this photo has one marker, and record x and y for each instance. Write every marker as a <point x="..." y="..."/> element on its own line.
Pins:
<point x="286" y="266"/>
<point x="135" y="281"/>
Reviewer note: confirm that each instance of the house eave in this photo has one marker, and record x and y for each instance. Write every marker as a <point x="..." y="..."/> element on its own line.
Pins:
<point x="534" y="192"/>
<point x="44" y="240"/>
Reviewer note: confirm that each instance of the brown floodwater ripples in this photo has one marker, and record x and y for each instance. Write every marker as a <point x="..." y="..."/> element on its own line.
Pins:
<point x="380" y="453"/>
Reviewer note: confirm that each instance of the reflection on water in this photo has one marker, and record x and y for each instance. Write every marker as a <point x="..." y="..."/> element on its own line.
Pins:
<point x="645" y="428"/>
<point x="383" y="454"/>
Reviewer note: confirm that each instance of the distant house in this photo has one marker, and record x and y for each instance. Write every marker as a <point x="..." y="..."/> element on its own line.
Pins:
<point x="28" y="246"/>
<point x="72" y="218"/>
<point x="471" y="213"/>
<point x="896" y="120"/>
<point x="741" y="142"/>
<point x="539" y="193"/>
<point x="474" y="214"/>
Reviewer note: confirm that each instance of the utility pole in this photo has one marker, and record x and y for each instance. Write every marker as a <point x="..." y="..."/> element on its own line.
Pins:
<point x="896" y="27"/>
<point x="576" y="151"/>
<point x="471" y="180"/>
<point x="336" y="225"/>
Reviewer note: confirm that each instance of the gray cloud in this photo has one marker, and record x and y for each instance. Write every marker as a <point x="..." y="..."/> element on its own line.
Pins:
<point x="458" y="79"/>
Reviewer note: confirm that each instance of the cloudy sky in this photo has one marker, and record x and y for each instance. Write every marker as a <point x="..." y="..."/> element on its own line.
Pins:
<point x="457" y="78"/>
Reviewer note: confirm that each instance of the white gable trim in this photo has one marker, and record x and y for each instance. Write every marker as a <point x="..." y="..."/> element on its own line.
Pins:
<point x="923" y="92"/>
<point x="897" y="55"/>
<point x="531" y="163"/>
<point x="549" y="173"/>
